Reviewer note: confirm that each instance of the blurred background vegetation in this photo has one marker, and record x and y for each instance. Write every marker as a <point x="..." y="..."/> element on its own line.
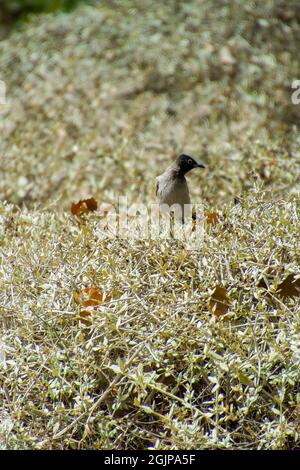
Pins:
<point x="14" y="11"/>
<point x="139" y="81"/>
<point x="17" y="7"/>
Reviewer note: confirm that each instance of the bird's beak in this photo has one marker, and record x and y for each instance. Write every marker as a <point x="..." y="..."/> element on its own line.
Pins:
<point x="200" y="165"/>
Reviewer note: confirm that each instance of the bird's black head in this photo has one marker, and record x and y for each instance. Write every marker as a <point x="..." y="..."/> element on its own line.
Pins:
<point x="186" y="163"/>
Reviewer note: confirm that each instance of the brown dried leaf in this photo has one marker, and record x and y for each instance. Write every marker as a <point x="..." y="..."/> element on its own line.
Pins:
<point x="89" y="297"/>
<point x="212" y="218"/>
<point x="84" y="206"/>
<point x="290" y="287"/>
<point x="85" y="317"/>
<point x="219" y="301"/>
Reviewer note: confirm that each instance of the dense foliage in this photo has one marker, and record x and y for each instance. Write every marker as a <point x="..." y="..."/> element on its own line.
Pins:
<point x="99" y="101"/>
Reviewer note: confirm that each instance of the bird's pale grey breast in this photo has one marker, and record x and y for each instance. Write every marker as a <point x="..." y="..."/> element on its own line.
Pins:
<point x="172" y="188"/>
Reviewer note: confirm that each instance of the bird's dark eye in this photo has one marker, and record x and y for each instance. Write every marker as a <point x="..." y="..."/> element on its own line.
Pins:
<point x="190" y="161"/>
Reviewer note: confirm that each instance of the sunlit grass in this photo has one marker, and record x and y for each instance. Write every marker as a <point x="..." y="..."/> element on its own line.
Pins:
<point x="99" y="102"/>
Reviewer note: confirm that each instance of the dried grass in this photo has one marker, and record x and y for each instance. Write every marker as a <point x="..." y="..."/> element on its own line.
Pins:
<point x="93" y="111"/>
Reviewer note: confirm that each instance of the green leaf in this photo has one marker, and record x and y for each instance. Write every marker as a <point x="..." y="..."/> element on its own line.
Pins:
<point x="244" y="379"/>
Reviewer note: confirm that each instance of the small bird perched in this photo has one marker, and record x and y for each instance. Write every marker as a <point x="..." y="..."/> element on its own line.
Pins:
<point x="171" y="186"/>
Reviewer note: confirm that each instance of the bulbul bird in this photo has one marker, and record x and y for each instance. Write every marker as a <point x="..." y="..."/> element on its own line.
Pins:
<point x="171" y="186"/>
